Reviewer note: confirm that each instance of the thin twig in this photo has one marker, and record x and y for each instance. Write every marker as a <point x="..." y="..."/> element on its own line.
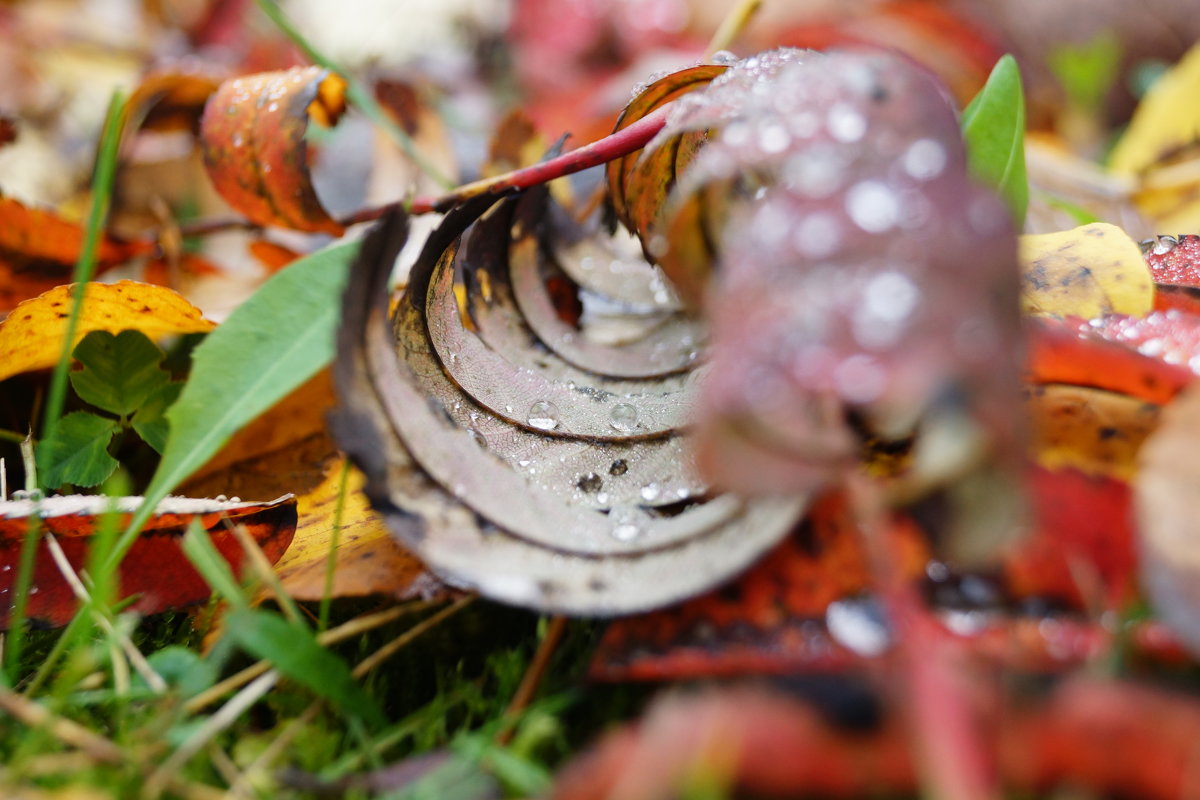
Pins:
<point x="951" y="752"/>
<point x="388" y="650"/>
<point x="66" y="731"/>
<point x="345" y="631"/>
<point x="629" y="139"/>
<point x="222" y="719"/>
<point x="533" y="675"/>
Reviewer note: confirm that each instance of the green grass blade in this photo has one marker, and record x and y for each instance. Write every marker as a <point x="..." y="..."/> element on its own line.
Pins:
<point x="993" y="127"/>
<point x="85" y="267"/>
<point x="199" y="549"/>
<point x="271" y="344"/>
<point x="294" y="651"/>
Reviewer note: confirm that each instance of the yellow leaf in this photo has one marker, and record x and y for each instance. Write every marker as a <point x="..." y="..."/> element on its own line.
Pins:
<point x="1091" y="430"/>
<point x="1088" y="271"/>
<point x="31" y="337"/>
<point x="369" y="560"/>
<point x="1167" y="119"/>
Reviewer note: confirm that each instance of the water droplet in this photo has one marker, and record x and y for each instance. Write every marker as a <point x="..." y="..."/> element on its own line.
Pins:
<point x="238" y="140"/>
<point x="845" y="123"/>
<point x="890" y="297"/>
<point x="872" y="206"/>
<point x="723" y="58"/>
<point x="273" y="107"/>
<point x="623" y="418"/>
<point x="602" y="497"/>
<point x="860" y="379"/>
<point x="590" y="483"/>
<point x="858" y="624"/>
<point x="1164" y="245"/>
<point x="924" y="159"/>
<point x="626" y="532"/>
<point x="619" y="467"/>
<point x="543" y="415"/>
<point x="650" y="492"/>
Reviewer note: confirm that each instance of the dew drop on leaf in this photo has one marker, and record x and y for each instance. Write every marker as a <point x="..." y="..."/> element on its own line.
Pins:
<point x="624" y="418"/>
<point x="543" y="415"/>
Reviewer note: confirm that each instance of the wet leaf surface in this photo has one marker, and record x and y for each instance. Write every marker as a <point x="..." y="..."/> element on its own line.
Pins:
<point x="1085" y="272"/>
<point x="567" y="508"/>
<point x="253" y="133"/>
<point x="155" y="571"/>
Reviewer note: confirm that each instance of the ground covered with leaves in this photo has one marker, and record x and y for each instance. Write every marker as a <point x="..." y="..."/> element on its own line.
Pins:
<point x="655" y="399"/>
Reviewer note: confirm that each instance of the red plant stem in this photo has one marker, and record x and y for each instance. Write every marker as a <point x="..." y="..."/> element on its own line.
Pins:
<point x="633" y="137"/>
<point x="951" y="751"/>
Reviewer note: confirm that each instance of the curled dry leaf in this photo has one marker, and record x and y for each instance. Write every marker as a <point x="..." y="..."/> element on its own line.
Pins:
<point x="1166" y="495"/>
<point x="171" y="99"/>
<point x="1085" y="272"/>
<point x="252" y="133"/>
<point x="862" y="285"/>
<point x="38" y="250"/>
<point x="155" y="569"/>
<point x="31" y="337"/>
<point x="500" y="450"/>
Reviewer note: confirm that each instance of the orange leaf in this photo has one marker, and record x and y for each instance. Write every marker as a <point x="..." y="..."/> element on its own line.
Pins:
<point x="254" y="148"/>
<point x="369" y="560"/>
<point x="155" y="568"/>
<point x="38" y="250"/>
<point x="31" y="336"/>
<point x="273" y="257"/>
<point x="170" y="100"/>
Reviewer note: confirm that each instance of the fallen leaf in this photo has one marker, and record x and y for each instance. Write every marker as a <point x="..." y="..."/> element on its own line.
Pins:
<point x="1146" y="357"/>
<point x="1166" y="120"/>
<point x="255" y="150"/>
<point x="38" y="250"/>
<point x="155" y="569"/>
<point x="543" y="484"/>
<point x="1095" y="431"/>
<point x="369" y="561"/>
<point x="1085" y="272"/>
<point x="1109" y="737"/>
<point x="1166" y="494"/>
<point x="273" y="257"/>
<point x="171" y="98"/>
<point x="31" y="336"/>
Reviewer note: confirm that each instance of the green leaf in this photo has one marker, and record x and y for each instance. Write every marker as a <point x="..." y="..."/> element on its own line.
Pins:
<point x="150" y="420"/>
<point x="119" y="372"/>
<point x="295" y="652"/>
<point x="272" y="343"/>
<point x="202" y="553"/>
<point x="77" y="451"/>
<point x="993" y="127"/>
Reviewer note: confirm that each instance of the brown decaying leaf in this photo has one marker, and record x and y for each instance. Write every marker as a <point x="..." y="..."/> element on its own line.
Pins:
<point x="252" y="133"/>
<point x="155" y="569"/>
<point x="1108" y="737"/>
<point x="526" y="502"/>
<point x="38" y="250"/>
<point x="31" y="336"/>
<point x="172" y="98"/>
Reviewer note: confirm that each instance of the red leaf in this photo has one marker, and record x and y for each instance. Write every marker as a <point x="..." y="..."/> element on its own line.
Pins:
<point x="155" y="568"/>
